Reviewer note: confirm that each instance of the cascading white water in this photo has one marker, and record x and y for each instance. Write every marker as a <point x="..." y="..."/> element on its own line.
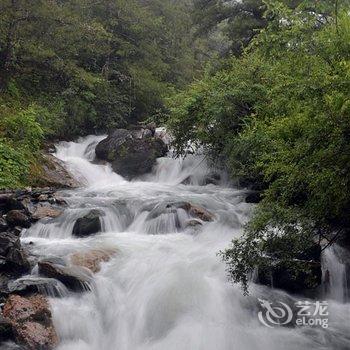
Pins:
<point x="335" y="273"/>
<point x="165" y="288"/>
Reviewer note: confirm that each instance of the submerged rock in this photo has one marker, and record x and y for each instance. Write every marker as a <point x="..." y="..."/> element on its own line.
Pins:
<point x="192" y="210"/>
<point x="193" y="223"/>
<point x="27" y="285"/>
<point x="88" y="225"/>
<point x="74" y="278"/>
<point x="131" y="153"/>
<point x="31" y="321"/>
<point x="92" y="259"/>
<point x="199" y="212"/>
<point x="45" y="211"/>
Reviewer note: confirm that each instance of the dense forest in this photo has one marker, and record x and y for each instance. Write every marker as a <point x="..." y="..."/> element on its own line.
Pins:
<point x="71" y="68"/>
<point x="262" y="86"/>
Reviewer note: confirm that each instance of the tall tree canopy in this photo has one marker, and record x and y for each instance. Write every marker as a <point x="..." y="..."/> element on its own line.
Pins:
<point x="278" y="117"/>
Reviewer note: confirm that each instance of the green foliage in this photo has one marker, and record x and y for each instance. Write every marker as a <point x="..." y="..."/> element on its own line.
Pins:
<point x="279" y="117"/>
<point x="21" y="135"/>
<point x="91" y="66"/>
<point x="13" y="166"/>
<point x="24" y="130"/>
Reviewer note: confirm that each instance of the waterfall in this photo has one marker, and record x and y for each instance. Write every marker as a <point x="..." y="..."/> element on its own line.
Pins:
<point x="335" y="277"/>
<point x="165" y="288"/>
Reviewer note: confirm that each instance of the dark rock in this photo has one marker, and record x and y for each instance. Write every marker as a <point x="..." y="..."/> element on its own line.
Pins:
<point x="4" y="198"/>
<point x="12" y="256"/>
<point x="88" y="224"/>
<point x="131" y="153"/>
<point x="253" y="197"/>
<point x="3" y="225"/>
<point x="16" y="231"/>
<point x="31" y="321"/>
<point x="74" y="278"/>
<point x="18" y="218"/>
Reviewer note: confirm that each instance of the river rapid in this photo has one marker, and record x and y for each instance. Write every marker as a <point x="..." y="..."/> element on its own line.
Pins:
<point x="165" y="288"/>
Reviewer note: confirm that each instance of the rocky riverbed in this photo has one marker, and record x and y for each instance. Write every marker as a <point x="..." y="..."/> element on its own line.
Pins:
<point x="133" y="264"/>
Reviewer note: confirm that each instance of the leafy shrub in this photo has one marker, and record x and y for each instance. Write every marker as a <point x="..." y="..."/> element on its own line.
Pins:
<point x="13" y="166"/>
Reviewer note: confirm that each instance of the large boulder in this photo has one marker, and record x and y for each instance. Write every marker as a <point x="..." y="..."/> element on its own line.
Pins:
<point x="131" y="153"/>
<point x="88" y="225"/>
<point x="75" y="278"/>
<point x="31" y="321"/>
<point x="12" y="257"/>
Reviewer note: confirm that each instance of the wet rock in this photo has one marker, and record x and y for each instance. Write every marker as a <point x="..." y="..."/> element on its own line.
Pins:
<point x="3" y="225"/>
<point x="54" y="174"/>
<point x="92" y="259"/>
<point x="29" y="285"/>
<point x="192" y="210"/>
<point x="131" y="153"/>
<point x="57" y="200"/>
<point x="88" y="224"/>
<point x="18" y="218"/>
<point x="46" y="212"/>
<point x="31" y="321"/>
<point x="12" y="256"/>
<point x="6" y="331"/>
<point x="43" y="198"/>
<point x="193" y="223"/>
<point x="16" y="231"/>
<point x="199" y="212"/>
<point x="74" y="278"/>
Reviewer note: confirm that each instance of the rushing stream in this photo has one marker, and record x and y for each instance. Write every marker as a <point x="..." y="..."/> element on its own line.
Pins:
<point x="165" y="288"/>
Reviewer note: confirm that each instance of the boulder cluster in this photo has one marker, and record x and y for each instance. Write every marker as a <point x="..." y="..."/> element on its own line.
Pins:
<point x="26" y="316"/>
